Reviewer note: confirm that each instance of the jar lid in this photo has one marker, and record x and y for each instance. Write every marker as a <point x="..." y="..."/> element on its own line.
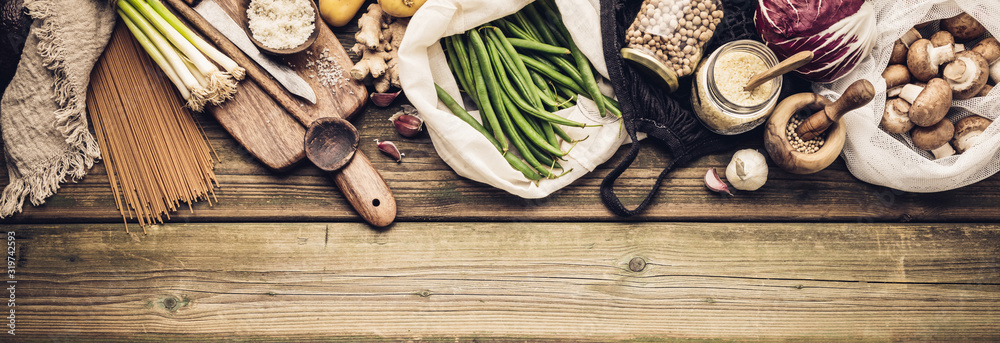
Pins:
<point x="651" y="65"/>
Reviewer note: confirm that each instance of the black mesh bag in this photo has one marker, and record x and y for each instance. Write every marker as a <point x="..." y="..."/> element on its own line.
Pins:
<point x="647" y="106"/>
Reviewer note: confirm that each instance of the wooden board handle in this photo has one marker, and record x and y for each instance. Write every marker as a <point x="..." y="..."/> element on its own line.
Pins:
<point x="857" y="94"/>
<point x="366" y="190"/>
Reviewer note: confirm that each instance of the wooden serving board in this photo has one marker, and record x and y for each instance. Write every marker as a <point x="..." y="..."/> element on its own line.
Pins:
<point x="279" y="144"/>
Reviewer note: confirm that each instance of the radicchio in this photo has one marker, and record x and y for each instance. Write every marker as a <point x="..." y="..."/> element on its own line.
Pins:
<point x="839" y="33"/>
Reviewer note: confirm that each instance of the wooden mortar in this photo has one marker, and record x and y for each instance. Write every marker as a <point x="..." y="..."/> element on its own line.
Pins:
<point x="781" y="150"/>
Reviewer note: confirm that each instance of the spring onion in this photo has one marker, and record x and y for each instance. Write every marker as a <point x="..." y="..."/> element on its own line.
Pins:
<point x="181" y="54"/>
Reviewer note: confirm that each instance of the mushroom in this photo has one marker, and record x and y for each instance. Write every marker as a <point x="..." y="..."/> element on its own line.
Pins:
<point x="935" y="138"/>
<point x="902" y="45"/>
<point x="923" y="59"/>
<point x="928" y="104"/>
<point x="967" y="74"/>
<point x="986" y="90"/>
<point x="896" y="118"/>
<point x="963" y="26"/>
<point x="990" y="49"/>
<point x="942" y="38"/>
<point x="896" y="76"/>
<point x="967" y="132"/>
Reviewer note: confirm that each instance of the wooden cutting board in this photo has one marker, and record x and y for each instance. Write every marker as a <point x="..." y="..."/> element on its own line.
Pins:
<point x="340" y="96"/>
<point x="275" y="141"/>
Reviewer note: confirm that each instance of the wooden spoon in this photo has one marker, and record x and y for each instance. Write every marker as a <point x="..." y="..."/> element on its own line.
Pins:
<point x="789" y="64"/>
<point x="309" y="41"/>
<point x="857" y="94"/>
<point x="331" y="142"/>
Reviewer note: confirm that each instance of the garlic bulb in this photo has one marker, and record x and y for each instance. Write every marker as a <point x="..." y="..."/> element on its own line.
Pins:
<point x="747" y="171"/>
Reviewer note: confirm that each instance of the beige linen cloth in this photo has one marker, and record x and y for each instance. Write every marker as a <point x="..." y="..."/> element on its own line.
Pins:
<point x="43" y="119"/>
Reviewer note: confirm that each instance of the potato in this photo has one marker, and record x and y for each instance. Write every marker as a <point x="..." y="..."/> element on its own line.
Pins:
<point x="339" y="12"/>
<point x="401" y="8"/>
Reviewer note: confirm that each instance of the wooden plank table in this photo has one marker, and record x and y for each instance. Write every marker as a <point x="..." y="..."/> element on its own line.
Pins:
<point x="282" y="257"/>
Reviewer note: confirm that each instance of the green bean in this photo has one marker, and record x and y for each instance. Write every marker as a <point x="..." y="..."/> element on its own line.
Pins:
<point x="546" y="94"/>
<point x="536" y="46"/>
<point x="536" y="21"/>
<point x="517" y="31"/>
<point x="521" y="80"/>
<point x="537" y="112"/>
<point x="582" y="63"/>
<point x="552" y="74"/>
<point x="514" y="114"/>
<point x="483" y="77"/>
<point x="562" y="134"/>
<point x="463" y="60"/>
<point x="568" y="68"/>
<point x="504" y="110"/>
<point x="526" y="26"/>
<point x="543" y="158"/>
<point x="457" y="68"/>
<point x="514" y="162"/>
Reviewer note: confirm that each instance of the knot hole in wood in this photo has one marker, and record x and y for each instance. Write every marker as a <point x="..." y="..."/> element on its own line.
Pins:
<point x="637" y="264"/>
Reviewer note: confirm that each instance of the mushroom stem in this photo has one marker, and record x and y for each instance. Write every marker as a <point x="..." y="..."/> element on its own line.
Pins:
<point x="941" y="54"/>
<point x="910" y="92"/>
<point x="912" y="35"/>
<point x="943" y="151"/>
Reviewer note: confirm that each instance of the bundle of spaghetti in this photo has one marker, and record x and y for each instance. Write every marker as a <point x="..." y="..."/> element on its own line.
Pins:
<point x="156" y="155"/>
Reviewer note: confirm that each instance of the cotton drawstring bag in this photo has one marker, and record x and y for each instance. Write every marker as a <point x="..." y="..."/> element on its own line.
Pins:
<point x="422" y="63"/>
<point x="891" y="160"/>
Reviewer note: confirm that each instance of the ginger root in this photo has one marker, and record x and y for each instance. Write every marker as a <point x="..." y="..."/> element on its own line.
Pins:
<point x="377" y="43"/>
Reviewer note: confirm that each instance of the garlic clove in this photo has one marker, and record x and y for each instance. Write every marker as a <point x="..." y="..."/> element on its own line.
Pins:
<point x="714" y="183"/>
<point x="407" y="125"/>
<point x="384" y="99"/>
<point x="389" y="148"/>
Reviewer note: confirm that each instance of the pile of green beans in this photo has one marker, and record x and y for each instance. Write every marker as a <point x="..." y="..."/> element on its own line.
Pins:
<point x="518" y="70"/>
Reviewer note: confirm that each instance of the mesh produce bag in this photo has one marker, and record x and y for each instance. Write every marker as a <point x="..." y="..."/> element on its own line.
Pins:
<point x="891" y="160"/>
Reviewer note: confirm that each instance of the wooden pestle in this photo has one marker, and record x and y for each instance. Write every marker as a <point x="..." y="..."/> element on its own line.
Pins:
<point x="789" y="64"/>
<point x="857" y="94"/>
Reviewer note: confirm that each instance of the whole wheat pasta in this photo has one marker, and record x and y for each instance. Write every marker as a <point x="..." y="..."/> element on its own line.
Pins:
<point x="156" y="155"/>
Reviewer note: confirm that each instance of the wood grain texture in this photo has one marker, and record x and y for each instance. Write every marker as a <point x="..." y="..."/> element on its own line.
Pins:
<point x="426" y="189"/>
<point x="344" y="99"/>
<point x="570" y="281"/>
<point x="261" y="126"/>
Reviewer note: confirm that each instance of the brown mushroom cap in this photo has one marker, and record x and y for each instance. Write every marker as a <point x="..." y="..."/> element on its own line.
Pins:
<point x="923" y="59"/>
<point x="986" y="90"/>
<point x="967" y="132"/>
<point x="942" y="38"/>
<point x="896" y="75"/>
<point x="934" y="136"/>
<point x="931" y="104"/>
<point x="967" y="74"/>
<point x="898" y="53"/>
<point x="963" y="26"/>
<point x="989" y="48"/>
<point x="896" y="118"/>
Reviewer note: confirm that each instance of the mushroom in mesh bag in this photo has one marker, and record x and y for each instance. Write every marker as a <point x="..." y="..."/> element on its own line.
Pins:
<point x="930" y="127"/>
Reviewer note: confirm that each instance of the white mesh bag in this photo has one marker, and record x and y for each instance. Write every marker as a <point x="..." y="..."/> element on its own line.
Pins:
<point x="422" y="62"/>
<point x="891" y="160"/>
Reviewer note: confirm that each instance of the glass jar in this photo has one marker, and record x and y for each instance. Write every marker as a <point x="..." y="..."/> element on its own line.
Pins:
<point x="719" y="99"/>
<point x="667" y="37"/>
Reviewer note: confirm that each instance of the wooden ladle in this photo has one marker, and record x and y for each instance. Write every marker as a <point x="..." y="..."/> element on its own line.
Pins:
<point x="789" y="64"/>
<point x="857" y="94"/>
<point x="331" y="143"/>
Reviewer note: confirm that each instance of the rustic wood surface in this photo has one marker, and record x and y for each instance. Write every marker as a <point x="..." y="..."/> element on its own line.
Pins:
<point x="282" y="256"/>
<point x="463" y="280"/>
